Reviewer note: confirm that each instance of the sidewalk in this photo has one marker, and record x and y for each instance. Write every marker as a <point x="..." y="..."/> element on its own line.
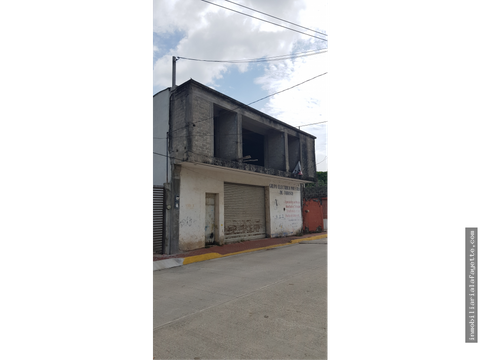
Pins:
<point x="214" y="252"/>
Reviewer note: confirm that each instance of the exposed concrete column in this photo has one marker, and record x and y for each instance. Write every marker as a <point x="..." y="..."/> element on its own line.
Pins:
<point x="172" y="213"/>
<point x="285" y="136"/>
<point x="268" y="214"/>
<point x="226" y="136"/>
<point x="276" y="150"/>
<point x="239" y="136"/>
<point x="301" y="145"/>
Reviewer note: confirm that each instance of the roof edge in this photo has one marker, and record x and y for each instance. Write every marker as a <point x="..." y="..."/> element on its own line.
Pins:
<point x="168" y="88"/>
<point x="218" y="93"/>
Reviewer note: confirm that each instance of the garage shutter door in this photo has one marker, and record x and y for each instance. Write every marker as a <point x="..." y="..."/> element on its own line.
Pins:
<point x="158" y="220"/>
<point x="244" y="212"/>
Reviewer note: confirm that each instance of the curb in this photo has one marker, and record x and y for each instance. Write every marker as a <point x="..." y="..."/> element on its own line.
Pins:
<point x="174" y="262"/>
<point x="167" y="263"/>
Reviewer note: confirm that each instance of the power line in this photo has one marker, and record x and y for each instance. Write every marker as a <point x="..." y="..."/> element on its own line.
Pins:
<point x="319" y="32"/>
<point x="271" y="58"/>
<point x="168" y="156"/>
<point x="321" y="122"/>
<point x="287" y="88"/>
<point x="322" y="160"/>
<point x="238" y="107"/>
<point x="264" y="20"/>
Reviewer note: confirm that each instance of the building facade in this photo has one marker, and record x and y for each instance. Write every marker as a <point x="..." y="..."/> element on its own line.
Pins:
<point x="226" y="170"/>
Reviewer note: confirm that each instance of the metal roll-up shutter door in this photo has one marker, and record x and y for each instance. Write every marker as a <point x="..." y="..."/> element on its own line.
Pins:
<point x="158" y="219"/>
<point x="244" y="212"/>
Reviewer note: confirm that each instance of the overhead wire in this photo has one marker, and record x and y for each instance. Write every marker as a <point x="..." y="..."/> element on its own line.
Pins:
<point x="253" y="102"/>
<point x="209" y="118"/>
<point x="168" y="156"/>
<point x="285" y="27"/>
<point x="321" y="122"/>
<point x="303" y="27"/>
<point x="273" y="58"/>
<point x="265" y="59"/>
<point x="303" y="82"/>
<point x="322" y="160"/>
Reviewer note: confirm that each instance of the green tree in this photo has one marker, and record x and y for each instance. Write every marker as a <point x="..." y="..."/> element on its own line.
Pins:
<point x="322" y="177"/>
<point x="319" y="189"/>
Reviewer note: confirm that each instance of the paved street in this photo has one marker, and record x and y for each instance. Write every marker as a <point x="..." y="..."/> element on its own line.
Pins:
<point x="269" y="304"/>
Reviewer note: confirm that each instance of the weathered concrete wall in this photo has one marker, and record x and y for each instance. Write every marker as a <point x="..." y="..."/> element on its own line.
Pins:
<point x="180" y="124"/>
<point x="193" y="132"/>
<point x="308" y="158"/>
<point x="172" y="190"/>
<point x="227" y="136"/>
<point x="201" y="134"/>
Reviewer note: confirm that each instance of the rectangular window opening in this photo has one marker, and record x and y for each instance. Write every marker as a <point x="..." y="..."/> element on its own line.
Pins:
<point x="225" y="129"/>
<point x="253" y="146"/>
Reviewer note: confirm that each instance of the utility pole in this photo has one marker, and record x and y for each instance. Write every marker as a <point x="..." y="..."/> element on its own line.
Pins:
<point x="174" y="71"/>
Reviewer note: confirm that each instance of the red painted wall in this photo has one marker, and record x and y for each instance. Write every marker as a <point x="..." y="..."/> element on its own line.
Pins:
<point x="313" y="215"/>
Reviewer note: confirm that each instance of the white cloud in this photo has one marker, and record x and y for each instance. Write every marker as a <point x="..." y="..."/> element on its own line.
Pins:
<point x="302" y="105"/>
<point x="214" y="33"/>
<point x="153" y="50"/>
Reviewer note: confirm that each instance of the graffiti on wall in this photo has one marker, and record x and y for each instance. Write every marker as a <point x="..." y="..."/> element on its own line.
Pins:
<point x="188" y="221"/>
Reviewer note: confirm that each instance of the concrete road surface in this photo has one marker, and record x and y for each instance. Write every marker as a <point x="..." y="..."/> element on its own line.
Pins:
<point x="269" y="304"/>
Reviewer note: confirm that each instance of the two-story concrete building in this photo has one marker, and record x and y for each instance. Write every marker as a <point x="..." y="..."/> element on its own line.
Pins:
<point x="223" y="171"/>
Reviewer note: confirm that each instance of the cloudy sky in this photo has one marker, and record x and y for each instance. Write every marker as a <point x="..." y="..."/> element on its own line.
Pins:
<point x="200" y="30"/>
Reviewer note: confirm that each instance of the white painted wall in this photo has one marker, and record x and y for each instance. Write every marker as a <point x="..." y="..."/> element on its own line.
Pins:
<point x="194" y="184"/>
<point x="161" y="103"/>
<point x="196" y="181"/>
<point x="285" y="209"/>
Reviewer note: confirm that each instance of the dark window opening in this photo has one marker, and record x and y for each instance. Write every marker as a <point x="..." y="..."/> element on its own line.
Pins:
<point x="253" y="146"/>
<point x="225" y="133"/>
<point x="293" y="152"/>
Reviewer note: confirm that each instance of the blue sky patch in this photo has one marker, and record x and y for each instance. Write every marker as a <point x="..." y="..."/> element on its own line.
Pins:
<point x="241" y="86"/>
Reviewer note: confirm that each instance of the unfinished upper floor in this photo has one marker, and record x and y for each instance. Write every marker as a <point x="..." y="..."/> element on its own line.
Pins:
<point x="206" y="126"/>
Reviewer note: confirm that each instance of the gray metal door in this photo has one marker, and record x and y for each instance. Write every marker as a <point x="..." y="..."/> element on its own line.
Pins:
<point x="209" y="219"/>
<point x="158" y="220"/>
<point x="244" y="212"/>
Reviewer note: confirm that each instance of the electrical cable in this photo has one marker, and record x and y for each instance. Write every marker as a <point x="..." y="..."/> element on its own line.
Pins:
<point x="267" y="59"/>
<point x="168" y="156"/>
<point x="287" y="89"/>
<point x="238" y="107"/>
<point x="322" y="160"/>
<point x="321" y="122"/>
<point x="239" y="12"/>
<point x="318" y="32"/>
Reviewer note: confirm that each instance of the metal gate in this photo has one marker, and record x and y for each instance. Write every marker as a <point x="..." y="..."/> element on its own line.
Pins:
<point x="158" y="219"/>
<point x="244" y="212"/>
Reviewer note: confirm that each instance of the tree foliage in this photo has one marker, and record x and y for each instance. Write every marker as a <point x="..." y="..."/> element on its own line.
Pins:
<point x="319" y="189"/>
<point x="322" y="177"/>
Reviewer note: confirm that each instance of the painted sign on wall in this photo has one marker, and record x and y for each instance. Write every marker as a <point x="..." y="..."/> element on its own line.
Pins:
<point x="285" y="210"/>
